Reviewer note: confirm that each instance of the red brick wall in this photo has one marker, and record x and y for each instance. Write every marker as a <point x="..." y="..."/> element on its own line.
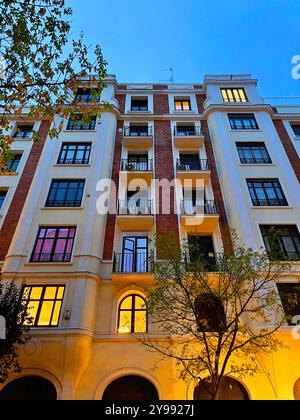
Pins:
<point x="288" y="146"/>
<point x="160" y="104"/>
<point x="111" y="218"/>
<point x="200" y="102"/>
<point x="160" y="87"/>
<point x="224" y="225"/>
<point x="121" y="100"/>
<point x="16" y="207"/>
<point x="164" y="169"/>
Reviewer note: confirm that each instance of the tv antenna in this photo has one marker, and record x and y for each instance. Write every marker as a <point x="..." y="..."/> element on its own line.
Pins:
<point x="172" y="78"/>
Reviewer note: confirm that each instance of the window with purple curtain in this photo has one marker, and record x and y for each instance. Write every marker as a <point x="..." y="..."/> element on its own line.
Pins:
<point x="54" y="244"/>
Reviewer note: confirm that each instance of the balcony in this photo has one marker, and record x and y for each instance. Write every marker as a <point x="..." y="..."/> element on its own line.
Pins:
<point x="199" y="169"/>
<point x="138" y="138"/>
<point x="190" y="138"/>
<point x="135" y="215"/>
<point x="209" y="261"/>
<point x="137" y="169"/>
<point x="133" y="266"/>
<point x="199" y="217"/>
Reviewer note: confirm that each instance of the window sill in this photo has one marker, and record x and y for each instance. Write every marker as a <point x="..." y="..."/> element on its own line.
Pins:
<point x="70" y="165"/>
<point x="190" y="111"/>
<point x="138" y="112"/>
<point x="257" y="164"/>
<point x="62" y="208"/>
<point x="272" y="207"/>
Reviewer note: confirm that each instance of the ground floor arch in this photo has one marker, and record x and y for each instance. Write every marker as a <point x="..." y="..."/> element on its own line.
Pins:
<point x="29" y="388"/>
<point x="130" y="387"/>
<point x="231" y="389"/>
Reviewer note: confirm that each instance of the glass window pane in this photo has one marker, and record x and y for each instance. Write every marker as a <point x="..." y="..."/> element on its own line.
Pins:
<point x="32" y="311"/>
<point x="124" y="322"/>
<point x="139" y="303"/>
<point x="36" y="292"/>
<point x="56" y="313"/>
<point x="45" y="314"/>
<point x="50" y="293"/>
<point x="140" y="322"/>
<point x="127" y="303"/>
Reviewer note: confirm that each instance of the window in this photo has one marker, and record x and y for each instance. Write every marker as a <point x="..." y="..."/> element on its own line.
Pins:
<point x="243" y="122"/>
<point x="43" y="304"/>
<point x="2" y="197"/>
<point x="23" y="131"/>
<point x="189" y="162"/>
<point x="137" y="131"/>
<point x="13" y="164"/>
<point x="75" y="154"/>
<point x="65" y="193"/>
<point x="132" y="315"/>
<point x="210" y="314"/>
<point x="140" y="104"/>
<point x="76" y="123"/>
<point x="134" y="258"/>
<point x="234" y="95"/>
<point x="290" y="298"/>
<point x="201" y="250"/>
<point x="87" y="95"/>
<point x="296" y="129"/>
<point x="187" y="130"/>
<point x="137" y="163"/>
<point x="255" y="153"/>
<point x="281" y="241"/>
<point x="266" y="192"/>
<point x="54" y="244"/>
<point x="182" y="105"/>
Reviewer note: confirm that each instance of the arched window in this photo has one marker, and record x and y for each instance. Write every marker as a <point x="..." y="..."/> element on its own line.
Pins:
<point x="130" y="388"/>
<point x="132" y="315"/>
<point x="29" y="388"/>
<point x="210" y="314"/>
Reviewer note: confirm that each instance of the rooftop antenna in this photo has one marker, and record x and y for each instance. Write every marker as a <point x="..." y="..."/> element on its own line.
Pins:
<point x="172" y="78"/>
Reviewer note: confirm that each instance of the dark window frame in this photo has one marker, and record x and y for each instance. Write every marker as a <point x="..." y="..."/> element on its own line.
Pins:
<point x="181" y="101"/>
<point x="11" y="164"/>
<point x="142" y="107"/>
<point x="132" y="310"/>
<point x="67" y="256"/>
<point x="3" y="195"/>
<point x="279" y="200"/>
<point x="242" y="147"/>
<point x="74" y="161"/>
<point x="87" y="97"/>
<point x="42" y="300"/>
<point x="65" y="203"/>
<point x="296" y="129"/>
<point x="282" y="231"/>
<point x="285" y="295"/>
<point x="75" y="124"/>
<point x="23" y="131"/>
<point x="236" y="98"/>
<point x="233" y="118"/>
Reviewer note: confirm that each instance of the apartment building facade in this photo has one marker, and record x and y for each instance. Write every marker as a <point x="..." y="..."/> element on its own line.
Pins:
<point x="85" y="271"/>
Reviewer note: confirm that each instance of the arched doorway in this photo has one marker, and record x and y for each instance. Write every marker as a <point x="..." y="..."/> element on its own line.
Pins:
<point x="130" y="388"/>
<point x="29" y="388"/>
<point x="297" y="390"/>
<point x="230" y="390"/>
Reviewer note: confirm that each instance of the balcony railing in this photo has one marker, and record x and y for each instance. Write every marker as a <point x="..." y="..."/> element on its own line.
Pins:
<point x="138" y="132"/>
<point x="208" y="207"/>
<point x="52" y="257"/>
<point x="185" y="132"/>
<point x="87" y="98"/>
<point x="259" y="161"/>
<point x="131" y="262"/>
<point x="137" y="165"/>
<point x="73" y="162"/>
<point x="283" y="255"/>
<point x="135" y="207"/>
<point x="210" y="262"/>
<point x="198" y="165"/>
<point x="63" y="203"/>
<point x="270" y="202"/>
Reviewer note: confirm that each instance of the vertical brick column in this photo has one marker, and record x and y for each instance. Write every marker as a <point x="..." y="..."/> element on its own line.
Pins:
<point x="200" y="99"/>
<point x="224" y="225"/>
<point x="164" y="169"/>
<point x="111" y="218"/>
<point x="288" y="146"/>
<point x="11" y="220"/>
<point x="161" y="105"/>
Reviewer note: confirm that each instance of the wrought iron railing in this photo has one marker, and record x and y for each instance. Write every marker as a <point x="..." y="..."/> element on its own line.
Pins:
<point x="135" y="207"/>
<point x="259" y="161"/>
<point x="270" y="202"/>
<point x="185" y="132"/>
<point x="131" y="262"/>
<point x="51" y="257"/>
<point x="189" y="207"/>
<point x="63" y="203"/>
<point x="197" y="165"/>
<point x="136" y="165"/>
<point x="138" y="131"/>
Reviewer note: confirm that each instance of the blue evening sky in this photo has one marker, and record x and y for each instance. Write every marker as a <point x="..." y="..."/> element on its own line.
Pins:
<point x="139" y="38"/>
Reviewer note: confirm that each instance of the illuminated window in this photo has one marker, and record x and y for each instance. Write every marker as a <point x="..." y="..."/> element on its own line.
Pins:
<point x="182" y="105"/>
<point x="234" y="95"/>
<point x="43" y="304"/>
<point x="132" y="315"/>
